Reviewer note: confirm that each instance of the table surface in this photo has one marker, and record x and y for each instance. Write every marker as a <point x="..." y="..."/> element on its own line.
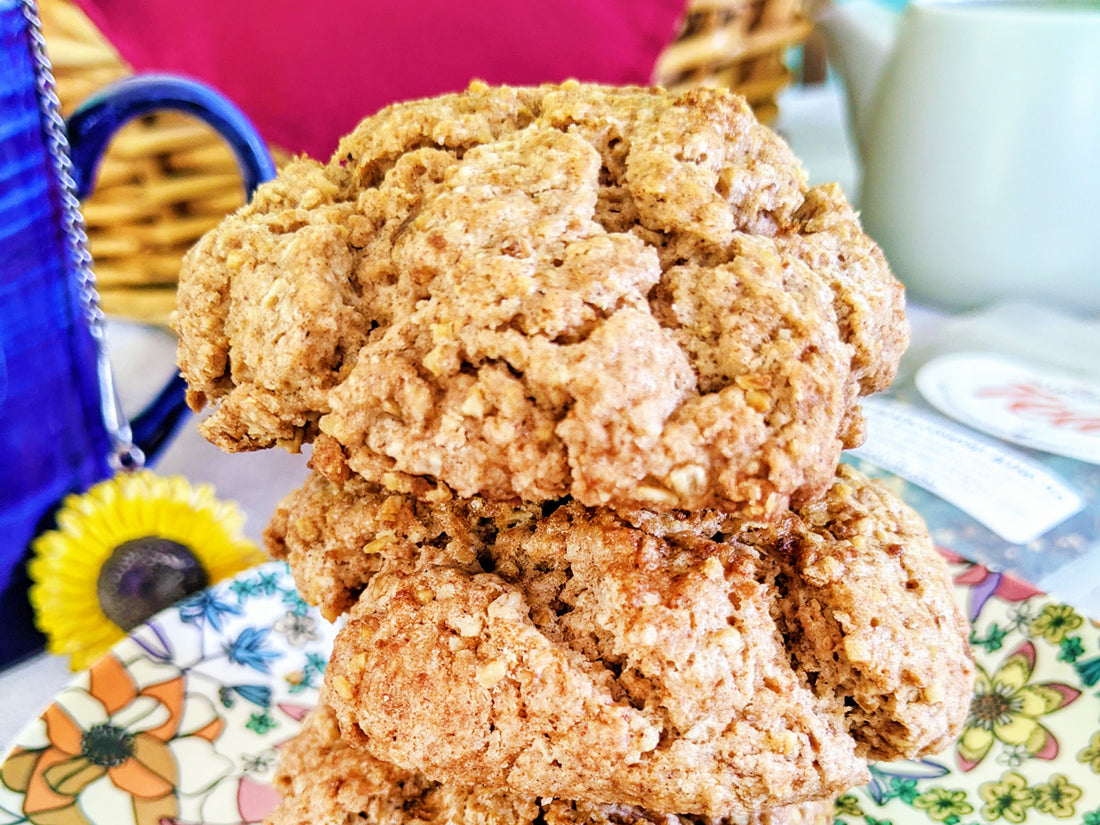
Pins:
<point x="813" y="122"/>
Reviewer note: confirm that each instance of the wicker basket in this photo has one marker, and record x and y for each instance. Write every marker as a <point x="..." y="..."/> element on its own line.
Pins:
<point x="164" y="181"/>
<point x="168" y="178"/>
<point x="738" y="45"/>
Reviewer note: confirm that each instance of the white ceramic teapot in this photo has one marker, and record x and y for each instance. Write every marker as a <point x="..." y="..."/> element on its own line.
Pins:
<point x="978" y="124"/>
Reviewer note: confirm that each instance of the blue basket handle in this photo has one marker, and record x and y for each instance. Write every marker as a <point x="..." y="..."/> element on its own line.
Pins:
<point x="95" y="122"/>
<point x="90" y="129"/>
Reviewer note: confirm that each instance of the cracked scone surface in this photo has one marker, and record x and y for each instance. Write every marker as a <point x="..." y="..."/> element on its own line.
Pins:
<point x="673" y="661"/>
<point x="621" y="295"/>
<point x="324" y="781"/>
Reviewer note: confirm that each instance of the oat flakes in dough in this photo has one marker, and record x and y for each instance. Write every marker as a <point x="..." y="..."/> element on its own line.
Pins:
<point x="622" y="295"/>
<point x="323" y="781"/>
<point x="671" y="661"/>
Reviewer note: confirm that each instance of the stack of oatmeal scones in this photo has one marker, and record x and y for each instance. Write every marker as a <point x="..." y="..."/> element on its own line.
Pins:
<point x="577" y="364"/>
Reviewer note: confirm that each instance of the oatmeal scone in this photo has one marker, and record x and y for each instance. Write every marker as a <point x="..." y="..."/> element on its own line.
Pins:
<point x="673" y="661"/>
<point x="323" y="781"/>
<point x="618" y="294"/>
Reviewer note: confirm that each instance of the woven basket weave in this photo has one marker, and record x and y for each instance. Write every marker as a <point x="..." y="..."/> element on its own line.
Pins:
<point x="736" y="44"/>
<point x="168" y="178"/>
<point x="164" y="181"/>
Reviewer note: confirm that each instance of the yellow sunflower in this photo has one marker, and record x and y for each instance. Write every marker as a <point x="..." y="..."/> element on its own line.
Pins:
<point x="126" y="549"/>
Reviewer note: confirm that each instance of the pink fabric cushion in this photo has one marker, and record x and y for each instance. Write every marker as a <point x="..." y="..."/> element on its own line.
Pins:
<point x="307" y="72"/>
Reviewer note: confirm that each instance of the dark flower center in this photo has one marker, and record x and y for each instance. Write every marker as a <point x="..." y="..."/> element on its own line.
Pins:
<point x="143" y="576"/>
<point x="107" y="745"/>
<point x="987" y="709"/>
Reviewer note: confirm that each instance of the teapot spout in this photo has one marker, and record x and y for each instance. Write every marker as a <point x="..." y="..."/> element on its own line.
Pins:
<point x="859" y="39"/>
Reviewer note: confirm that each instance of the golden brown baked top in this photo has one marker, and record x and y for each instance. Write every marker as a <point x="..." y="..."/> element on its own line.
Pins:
<point x="672" y="661"/>
<point x="323" y="781"/>
<point x="617" y="294"/>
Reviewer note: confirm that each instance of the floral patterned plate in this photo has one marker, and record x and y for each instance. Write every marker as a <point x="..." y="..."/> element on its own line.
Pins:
<point x="1030" y="752"/>
<point x="182" y="722"/>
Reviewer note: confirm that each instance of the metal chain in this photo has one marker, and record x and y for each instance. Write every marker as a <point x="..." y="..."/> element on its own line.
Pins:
<point x="125" y="455"/>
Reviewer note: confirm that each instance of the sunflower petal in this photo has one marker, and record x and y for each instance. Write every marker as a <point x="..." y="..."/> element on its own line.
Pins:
<point x="70" y="635"/>
<point x="66" y="561"/>
<point x="91" y="652"/>
<point x="86" y="646"/>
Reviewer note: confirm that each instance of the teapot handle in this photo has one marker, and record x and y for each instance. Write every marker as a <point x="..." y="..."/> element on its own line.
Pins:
<point x="89" y="130"/>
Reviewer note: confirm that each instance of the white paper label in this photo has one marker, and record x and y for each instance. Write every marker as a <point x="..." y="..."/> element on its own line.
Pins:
<point x="1015" y="497"/>
<point x="1029" y="404"/>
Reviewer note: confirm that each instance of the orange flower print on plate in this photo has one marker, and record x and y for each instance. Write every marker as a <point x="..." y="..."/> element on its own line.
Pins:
<point x="182" y="724"/>
<point x="116" y="745"/>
